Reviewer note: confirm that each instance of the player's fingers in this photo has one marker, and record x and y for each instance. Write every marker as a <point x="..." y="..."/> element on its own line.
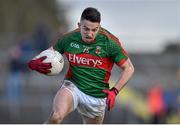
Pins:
<point x="43" y="68"/>
<point x="112" y="104"/>
<point x="46" y="65"/>
<point x="109" y="106"/>
<point x="42" y="58"/>
<point x="107" y="101"/>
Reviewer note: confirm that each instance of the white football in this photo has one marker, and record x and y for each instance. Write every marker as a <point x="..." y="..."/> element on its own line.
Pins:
<point x="55" y="58"/>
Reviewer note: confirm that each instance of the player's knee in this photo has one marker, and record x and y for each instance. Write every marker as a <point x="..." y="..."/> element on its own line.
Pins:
<point x="56" y="118"/>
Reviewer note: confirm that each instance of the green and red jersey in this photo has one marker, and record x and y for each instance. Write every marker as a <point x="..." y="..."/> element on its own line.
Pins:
<point x="91" y="63"/>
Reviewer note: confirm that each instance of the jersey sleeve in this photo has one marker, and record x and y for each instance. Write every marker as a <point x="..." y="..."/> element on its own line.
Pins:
<point x="117" y="53"/>
<point x="62" y="40"/>
<point x="59" y="45"/>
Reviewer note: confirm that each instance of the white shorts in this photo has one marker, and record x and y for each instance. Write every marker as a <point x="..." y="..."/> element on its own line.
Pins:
<point x="86" y="105"/>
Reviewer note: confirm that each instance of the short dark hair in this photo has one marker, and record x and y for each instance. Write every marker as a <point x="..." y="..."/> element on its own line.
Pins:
<point x="91" y="14"/>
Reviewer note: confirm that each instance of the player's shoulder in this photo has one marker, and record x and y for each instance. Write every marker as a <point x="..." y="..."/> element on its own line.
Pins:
<point x="71" y="33"/>
<point x="66" y="37"/>
<point x="74" y="34"/>
<point x="110" y="38"/>
<point x="107" y="34"/>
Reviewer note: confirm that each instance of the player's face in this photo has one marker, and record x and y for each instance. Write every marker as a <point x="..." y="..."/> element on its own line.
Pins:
<point x="88" y="30"/>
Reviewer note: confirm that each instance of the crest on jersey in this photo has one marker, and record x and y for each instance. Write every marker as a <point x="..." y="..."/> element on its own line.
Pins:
<point x="98" y="50"/>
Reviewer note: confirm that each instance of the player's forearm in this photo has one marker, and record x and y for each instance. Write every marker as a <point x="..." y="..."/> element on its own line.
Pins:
<point x="126" y="74"/>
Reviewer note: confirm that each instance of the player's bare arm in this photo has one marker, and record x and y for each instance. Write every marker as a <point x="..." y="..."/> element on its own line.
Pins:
<point x="127" y="72"/>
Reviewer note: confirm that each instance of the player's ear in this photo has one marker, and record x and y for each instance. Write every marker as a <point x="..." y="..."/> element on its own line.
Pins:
<point x="79" y="24"/>
<point x="99" y="27"/>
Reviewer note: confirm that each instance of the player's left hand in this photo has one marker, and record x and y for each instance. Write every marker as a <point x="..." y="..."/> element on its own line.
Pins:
<point x="111" y="96"/>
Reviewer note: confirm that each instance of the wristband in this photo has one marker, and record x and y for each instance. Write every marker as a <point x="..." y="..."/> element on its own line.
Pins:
<point x="116" y="91"/>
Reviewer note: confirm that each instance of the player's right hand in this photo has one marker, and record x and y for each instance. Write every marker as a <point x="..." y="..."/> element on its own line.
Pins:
<point x="39" y="65"/>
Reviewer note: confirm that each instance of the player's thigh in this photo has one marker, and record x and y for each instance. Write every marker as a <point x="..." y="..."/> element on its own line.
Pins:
<point x="63" y="102"/>
<point x="96" y="120"/>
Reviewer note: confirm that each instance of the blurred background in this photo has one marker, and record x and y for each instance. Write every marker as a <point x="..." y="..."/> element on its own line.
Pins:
<point x="149" y="30"/>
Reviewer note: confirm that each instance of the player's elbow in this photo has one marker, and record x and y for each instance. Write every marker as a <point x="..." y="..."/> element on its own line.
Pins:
<point x="132" y="70"/>
<point x="128" y="68"/>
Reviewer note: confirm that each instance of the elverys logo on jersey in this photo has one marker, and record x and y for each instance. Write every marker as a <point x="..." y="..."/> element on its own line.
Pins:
<point x="84" y="59"/>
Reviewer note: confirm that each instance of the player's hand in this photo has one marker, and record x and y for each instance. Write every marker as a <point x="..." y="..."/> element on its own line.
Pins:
<point x="39" y="65"/>
<point x="111" y="97"/>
